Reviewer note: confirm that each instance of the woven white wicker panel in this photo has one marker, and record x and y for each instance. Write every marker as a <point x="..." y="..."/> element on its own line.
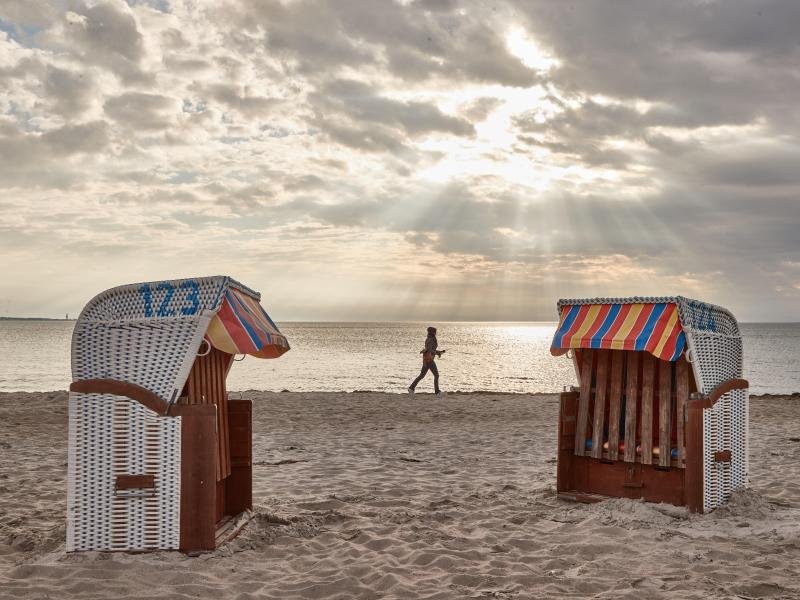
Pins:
<point x="740" y="445"/>
<point x="147" y="333"/>
<point x="112" y="435"/>
<point x="150" y="353"/>
<point x="725" y="428"/>
<point x="714" y="341"/>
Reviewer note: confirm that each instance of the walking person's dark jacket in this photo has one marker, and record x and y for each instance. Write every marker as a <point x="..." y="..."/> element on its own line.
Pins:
<point x="430" y="349"/>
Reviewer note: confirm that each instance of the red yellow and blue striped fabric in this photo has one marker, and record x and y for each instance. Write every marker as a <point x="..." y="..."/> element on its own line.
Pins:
<point x="651" y="327"/>
<point x="243" y="327"/>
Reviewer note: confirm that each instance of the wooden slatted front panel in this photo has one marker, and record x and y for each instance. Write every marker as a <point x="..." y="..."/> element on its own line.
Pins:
<point x="646" y="428"/>
<point x="239" y="486"/>
<point x="665" y="413"/>
<point x="583" y="401"/>
<point x="631" y="405"/>
<point x="600" y="403"/>
<point x="650" y="421"/>
<point x="615" y="400"/>
<point x="681" y="398"/>
<point x="206" y="385"/>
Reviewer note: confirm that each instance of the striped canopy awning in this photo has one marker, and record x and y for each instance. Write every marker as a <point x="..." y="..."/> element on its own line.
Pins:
<point x="242" y="326"/>
<point x="651" y="327"/>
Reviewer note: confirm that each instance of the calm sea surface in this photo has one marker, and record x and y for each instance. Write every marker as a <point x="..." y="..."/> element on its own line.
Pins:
<point x="504" y="357"/>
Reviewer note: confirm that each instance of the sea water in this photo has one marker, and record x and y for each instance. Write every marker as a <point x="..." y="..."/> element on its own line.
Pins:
<point x="500" y="357"/>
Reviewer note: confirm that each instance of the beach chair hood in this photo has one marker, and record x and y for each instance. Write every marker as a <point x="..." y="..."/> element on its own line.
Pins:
<point x="666" y="327"/>
<point x="149" y="334"/>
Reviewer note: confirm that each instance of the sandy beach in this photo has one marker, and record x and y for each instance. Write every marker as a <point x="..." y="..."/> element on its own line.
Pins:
<point x="368" y="495"/>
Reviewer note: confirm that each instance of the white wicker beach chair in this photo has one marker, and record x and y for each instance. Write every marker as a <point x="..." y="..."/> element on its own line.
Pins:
<point x="153" y="438"/>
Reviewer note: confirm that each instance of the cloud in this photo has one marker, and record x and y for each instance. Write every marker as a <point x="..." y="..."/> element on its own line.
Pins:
<point x="360" y="103"/>
<point x="419" y="41"/>
<point x="105" y="34"/>
<point x="233" y="96"/>
<point x="142" y="111"/>
<point x="21" y="14"/>
<point x="477" y="110"/>
<point x="67" y="92"/>
<point x="44" y="159"/>
<point x="71" y="91"/>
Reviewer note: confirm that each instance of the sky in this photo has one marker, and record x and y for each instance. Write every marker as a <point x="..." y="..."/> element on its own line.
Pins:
<point x="402" y="160"/>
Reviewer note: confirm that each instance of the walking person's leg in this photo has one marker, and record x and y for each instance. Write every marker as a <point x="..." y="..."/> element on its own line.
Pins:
<point x="422" y="374"/>
<point x="435" y="370"/>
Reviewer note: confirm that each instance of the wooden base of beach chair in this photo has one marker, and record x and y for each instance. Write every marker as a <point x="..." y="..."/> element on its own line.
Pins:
<point x="592" y="480"/>
<point x="581" y="497"/>
<point x="231" y="526"/>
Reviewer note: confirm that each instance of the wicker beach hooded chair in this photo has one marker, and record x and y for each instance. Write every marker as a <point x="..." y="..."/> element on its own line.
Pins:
<point x="661" y="412"/>
<point x="159" y="457"/>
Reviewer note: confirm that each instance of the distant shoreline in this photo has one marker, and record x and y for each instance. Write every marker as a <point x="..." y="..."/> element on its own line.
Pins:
<point x="32" y="319"/>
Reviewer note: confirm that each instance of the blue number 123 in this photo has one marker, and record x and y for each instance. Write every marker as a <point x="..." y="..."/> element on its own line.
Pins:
<point x="147" y="296"/>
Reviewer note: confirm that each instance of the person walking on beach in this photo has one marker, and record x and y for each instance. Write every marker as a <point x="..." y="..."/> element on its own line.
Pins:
<point x="428" y="364"/>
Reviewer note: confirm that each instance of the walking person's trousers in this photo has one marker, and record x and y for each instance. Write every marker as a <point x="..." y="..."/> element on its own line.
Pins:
<point x="425" y="368"/>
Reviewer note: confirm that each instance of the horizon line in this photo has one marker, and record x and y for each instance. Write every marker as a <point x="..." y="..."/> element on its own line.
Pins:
<point x="409" y="322"/>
